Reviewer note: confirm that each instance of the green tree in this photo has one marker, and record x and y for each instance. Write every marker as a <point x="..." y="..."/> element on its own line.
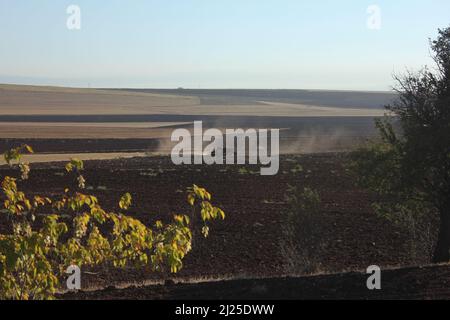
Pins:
<point x="410" y="167"/>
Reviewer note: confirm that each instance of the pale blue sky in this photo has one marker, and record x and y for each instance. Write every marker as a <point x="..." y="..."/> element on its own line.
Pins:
<point x="216" y="44"/>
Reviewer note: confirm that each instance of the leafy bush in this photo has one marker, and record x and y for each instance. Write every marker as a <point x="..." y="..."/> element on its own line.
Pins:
<point x="410" y="167"/>
<point x="301" y="242"/>
<point x="377" y="167"/>
<point x="42" y="242"/>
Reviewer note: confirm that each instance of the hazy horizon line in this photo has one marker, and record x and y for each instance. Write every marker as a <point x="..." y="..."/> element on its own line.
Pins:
<point x="181" y="88"/>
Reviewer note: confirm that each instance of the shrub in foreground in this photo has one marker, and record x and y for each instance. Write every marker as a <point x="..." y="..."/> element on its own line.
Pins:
<point x="46" y="235"/>
<point x="410" y="167"/>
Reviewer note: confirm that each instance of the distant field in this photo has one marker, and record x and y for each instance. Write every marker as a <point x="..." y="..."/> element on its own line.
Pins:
<point x="29" y="100"/>
<point x="323" y="98"/>
<point x="88" y="130"/>
<point x="298" y="134"/>
<point x="313" y="121"/>
<point x="65" y="157"/>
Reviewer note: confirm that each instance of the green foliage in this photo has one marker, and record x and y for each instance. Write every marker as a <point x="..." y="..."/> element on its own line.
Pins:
<point x="305" y="201"/>
<point x="246" y="171"/>
<point x="74" y="165"/>
<point x="15" y="155"/>
<point x="35" y="254"/>
<point x="297" y="169"/>
<point x="77" y="166"/>
<point x="125" y="201"/>
<point x="410" y="167"/>
<point x="200" y="198"/>
<point x="302" y="242"/>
